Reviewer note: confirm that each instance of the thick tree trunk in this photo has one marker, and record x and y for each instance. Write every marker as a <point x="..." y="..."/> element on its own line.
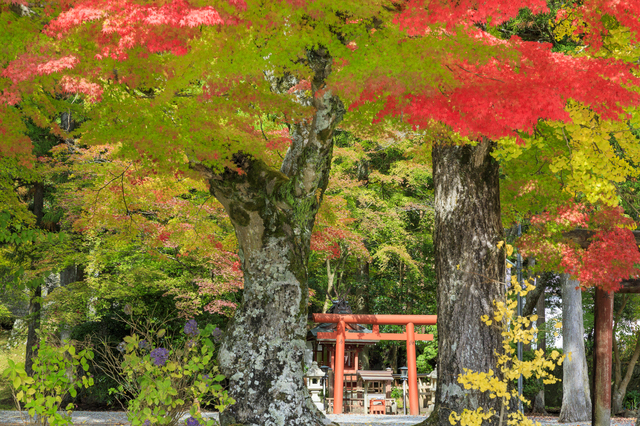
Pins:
<point x="576" y="399"/>
<point x="469" y="269"/>
<point x="538" y="401"/>
<point x="273" y="214"/>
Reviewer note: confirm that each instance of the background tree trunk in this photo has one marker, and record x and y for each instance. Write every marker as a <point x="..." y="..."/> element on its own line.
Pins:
<point x="330" y="278"/>
<point x="391" y="358"/>
<point x="362" y="307"/>
<point x="620" y="384"/>
<point x="469" y="269"/>
<point x="33" y="321"/>
<point x="273" y="213"/>
<point x="538" y="402"/>
<point x="576" y="399"/>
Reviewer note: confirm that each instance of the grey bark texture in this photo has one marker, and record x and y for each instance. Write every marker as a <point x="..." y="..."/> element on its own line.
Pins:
<point x="273" y="213"/>
<point x="469" y="269"/>
<point x="576" y="398"/>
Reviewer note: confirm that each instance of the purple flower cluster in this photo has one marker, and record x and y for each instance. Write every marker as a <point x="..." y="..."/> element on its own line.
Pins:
<point x="160" y="356"/>
<point x="216" y="334"/>
<point x="144" y="344"/>
<point x="191" y="328"/>
<point x="192" y="422"/>
<point x="122" y="346"/>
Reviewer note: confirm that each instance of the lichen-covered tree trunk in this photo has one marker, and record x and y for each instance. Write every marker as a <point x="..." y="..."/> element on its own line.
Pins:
<point x="576" y="399"/>
<point x="273" y="213"/>
<point x="470" y="271"/>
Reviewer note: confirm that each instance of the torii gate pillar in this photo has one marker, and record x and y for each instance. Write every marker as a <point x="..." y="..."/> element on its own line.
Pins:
<point x="414" y="404"/>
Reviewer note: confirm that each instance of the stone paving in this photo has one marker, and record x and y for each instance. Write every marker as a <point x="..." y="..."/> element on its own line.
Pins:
<point x="115" y="418"/>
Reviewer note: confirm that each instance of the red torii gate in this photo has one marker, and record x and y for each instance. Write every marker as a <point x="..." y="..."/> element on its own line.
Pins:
<point x="376" y="320"/>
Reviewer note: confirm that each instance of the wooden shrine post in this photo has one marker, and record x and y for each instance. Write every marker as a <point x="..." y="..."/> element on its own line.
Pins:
<point x="376" y="320"/>
<point x="339" y="366"/>
<point x="601" y="404"/>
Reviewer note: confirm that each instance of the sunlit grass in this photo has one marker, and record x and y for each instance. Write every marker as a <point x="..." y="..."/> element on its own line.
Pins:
<point x="17" y="355"/>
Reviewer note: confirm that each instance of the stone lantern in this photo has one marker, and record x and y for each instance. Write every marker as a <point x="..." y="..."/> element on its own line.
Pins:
<point x="314" y="384"/>
<point x="433" y="380"/>
<point x="433" y="385"/>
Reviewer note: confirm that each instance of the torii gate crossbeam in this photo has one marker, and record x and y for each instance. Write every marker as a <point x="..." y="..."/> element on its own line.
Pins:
<point x="376" y="320"/>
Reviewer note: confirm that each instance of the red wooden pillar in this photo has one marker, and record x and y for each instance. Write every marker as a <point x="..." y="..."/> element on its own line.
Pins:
<point x="414" y="406"/>
<point x="602" y="369"/>
<point x="339" y="370"/>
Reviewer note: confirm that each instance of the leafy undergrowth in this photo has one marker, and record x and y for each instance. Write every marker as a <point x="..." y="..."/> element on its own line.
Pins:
<point x="17" y="355"/>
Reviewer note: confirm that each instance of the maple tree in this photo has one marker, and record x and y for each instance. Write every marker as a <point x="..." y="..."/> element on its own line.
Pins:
<point x="389" y="200"/>
<point x="169" y="234"/>
<point x="247" y="96"/>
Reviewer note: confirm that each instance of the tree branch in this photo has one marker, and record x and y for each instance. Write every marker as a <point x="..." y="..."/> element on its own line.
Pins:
<point x="532" y="298"/>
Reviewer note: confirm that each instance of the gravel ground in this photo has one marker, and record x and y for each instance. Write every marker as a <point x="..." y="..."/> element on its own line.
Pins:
<point x="113" y="418"/>
<point x="93" y="418"/>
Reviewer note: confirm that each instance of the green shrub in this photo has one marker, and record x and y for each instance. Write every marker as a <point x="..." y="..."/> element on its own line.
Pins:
<point x="632" y="400"/>
<point x="6" y="318"/>
<point x="165" y="376"/>
<point x="54" y="375"/>
<point x="113" y="332"/>
<point x="396" y="392"/>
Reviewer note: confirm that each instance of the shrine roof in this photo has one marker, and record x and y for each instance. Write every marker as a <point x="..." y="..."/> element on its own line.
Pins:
<point x="375" y="375"/>
<point x="330" y="328"/>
